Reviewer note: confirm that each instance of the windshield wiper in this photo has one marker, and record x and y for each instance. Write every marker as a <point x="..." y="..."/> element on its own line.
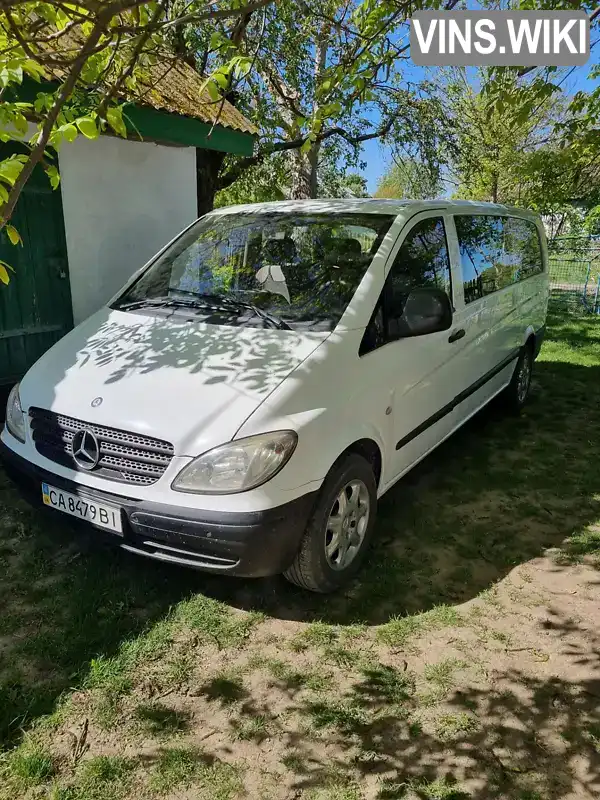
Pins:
<point x="233" y="302"/>
<point x="205" y="301"/>
<point x="275" y="321"/>
<point x="160" y="302"/>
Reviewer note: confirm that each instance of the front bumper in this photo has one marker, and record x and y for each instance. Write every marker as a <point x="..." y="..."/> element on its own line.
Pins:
<point x="249" y="544"/>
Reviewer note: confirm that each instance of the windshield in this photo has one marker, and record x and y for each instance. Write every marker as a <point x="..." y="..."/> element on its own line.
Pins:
<point x="270" y="269"/>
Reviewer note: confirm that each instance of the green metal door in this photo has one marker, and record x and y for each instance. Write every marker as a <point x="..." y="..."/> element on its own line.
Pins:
<point x="35" y="307"/>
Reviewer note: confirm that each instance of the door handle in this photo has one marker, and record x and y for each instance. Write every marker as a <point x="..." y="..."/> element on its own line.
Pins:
<point x="456" y="335"/>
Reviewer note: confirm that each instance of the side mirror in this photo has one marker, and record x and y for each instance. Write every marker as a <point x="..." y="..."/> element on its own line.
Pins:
<point x="425" y="311"/>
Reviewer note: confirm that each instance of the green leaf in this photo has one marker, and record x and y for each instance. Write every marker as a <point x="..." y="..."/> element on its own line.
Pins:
<point x="47" y="12"/>
<point x="10" y="169"/>
<point x="13" y="235"/>
<point x="241" y="66"/>
<point x="216" y="41"/>
<point x="69" y="131"/>
<point x="4" y="274"/>
<point x="20" y="124"/>
<point x="42" y="101"/>
<point x="88" y="127"/>
<point x="16" y="71"/>
<point x="53" y="175"/>
<point x="221" y="79"/>
<point x="114" y="117"/>
<point x="34" y="70"/>
<point x="213" y="91"/>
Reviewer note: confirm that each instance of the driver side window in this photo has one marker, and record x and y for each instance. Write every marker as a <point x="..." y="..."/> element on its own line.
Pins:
<point x="421" y="262"/>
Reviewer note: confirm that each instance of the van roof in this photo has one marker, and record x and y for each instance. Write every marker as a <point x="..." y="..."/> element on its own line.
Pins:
<point x="370" y="205"/>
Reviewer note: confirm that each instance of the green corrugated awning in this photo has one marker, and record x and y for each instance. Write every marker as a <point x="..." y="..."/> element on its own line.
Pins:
<point x="161" y="126"/>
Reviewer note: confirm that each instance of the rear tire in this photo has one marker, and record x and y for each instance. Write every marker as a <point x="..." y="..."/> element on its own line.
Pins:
<point x="516" y="393"/>
<point x="339" y="532"/>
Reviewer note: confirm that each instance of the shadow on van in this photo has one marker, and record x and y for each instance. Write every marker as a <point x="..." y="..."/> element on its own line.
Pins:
<point x="500" y="492"/>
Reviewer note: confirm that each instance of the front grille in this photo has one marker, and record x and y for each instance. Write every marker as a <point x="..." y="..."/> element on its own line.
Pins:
<point x="125" y="457"/>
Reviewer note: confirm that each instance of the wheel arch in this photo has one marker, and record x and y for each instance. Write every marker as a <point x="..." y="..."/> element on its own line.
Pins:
<point x="529" y="338"/>
<point x="370" y="450"/>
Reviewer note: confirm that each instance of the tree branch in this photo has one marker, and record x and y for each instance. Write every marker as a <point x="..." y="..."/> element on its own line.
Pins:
<point x="526" y="70"/>
<point x="294" y="144"/>
<point x="224" y="13"/>
<point x="282" y="95"/>
<point x="51" y="37"/>
<point x="17" y="34"/>
<point x="38" y="150"/>
<point x="139" y="46"/>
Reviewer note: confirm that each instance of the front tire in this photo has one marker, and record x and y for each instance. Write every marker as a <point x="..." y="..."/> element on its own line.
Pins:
<point x="517" y="391"/>
<point x="339" y="532"/>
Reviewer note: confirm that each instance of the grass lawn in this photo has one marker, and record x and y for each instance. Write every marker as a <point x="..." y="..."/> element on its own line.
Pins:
<point x="465" y="662"/>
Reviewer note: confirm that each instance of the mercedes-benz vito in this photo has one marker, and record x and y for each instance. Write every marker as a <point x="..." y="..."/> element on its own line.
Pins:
<point x="253" y="390"/>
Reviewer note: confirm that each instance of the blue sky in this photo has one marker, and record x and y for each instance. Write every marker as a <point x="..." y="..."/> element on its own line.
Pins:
<point x="377" y="157"/>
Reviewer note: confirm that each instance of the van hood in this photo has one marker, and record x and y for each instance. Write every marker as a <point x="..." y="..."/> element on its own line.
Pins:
<point x="190" y="383"/>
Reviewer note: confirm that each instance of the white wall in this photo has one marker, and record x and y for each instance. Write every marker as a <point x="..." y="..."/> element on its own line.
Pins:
<point x="122" y="201"/>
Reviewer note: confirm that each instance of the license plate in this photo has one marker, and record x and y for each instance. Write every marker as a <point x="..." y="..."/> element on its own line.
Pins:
<point x="98" y="513"/>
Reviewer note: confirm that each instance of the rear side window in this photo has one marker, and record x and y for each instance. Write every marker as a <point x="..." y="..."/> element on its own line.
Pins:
<point x="496" y="252"/>
<point x="481" y="251"/>
<point x="522" y="244"/>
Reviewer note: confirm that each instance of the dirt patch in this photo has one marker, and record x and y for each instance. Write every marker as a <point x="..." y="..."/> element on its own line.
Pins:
<point x="505" y="704"/>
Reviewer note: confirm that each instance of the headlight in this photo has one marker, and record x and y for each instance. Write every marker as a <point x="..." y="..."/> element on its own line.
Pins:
<point x="237" y="466"/>
<point x="15" y="419"/>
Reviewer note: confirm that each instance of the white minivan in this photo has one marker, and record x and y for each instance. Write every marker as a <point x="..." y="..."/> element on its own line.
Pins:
<point x="244" y="401"/>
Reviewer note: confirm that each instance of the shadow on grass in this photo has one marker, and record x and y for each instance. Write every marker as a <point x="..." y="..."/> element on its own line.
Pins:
<point x="156" y="719"/>
<point x="526" y="737"/>
<point x="575" y="330"/>
<point x="66" y="599"/>
<point x="498" y="493"/>
<point x="226" y="690"/>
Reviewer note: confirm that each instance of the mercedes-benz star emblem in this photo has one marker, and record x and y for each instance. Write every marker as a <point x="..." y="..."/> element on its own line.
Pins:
<point x="86" y="450"/>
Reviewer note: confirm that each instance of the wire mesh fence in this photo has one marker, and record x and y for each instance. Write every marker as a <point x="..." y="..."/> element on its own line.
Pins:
<point x="574" y="268"/>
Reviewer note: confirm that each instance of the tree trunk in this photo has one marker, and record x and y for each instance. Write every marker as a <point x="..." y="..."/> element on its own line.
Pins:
<point x="559" y="228"/>
<point x="313" y="160"/>
<point x="301" y="176"/>
<point x="208" y="166"/>
<point x="305" y="166"/>
<point x="495" y="177"/>
<point x="320" y="61"/>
